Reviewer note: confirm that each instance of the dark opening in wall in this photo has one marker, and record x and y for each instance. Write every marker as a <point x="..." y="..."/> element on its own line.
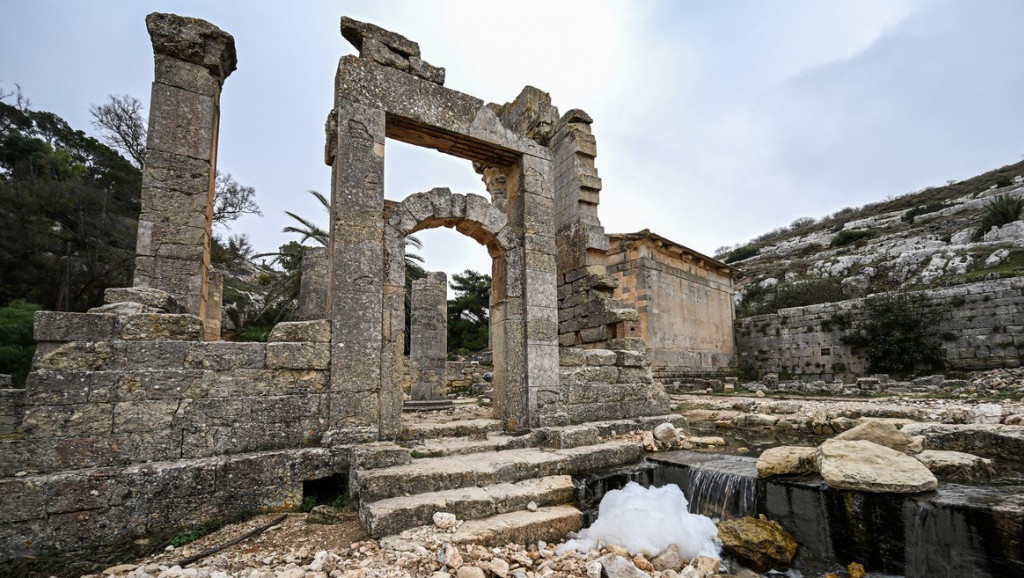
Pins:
<point x="826" y="351"/>
<point x="332" y="491"/>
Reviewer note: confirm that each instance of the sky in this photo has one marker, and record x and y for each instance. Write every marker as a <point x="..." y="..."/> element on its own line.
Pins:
<point x="716" y="121"/>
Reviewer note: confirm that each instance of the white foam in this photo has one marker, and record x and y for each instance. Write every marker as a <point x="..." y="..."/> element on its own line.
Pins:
<point x="648" y="520"/>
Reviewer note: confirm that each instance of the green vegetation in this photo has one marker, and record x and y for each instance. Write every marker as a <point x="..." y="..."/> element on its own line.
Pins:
<point x="741" y="254"/>
<point x="851" y="236"/>
<point x="911" y="214"/>
<point x="69" y="207"/>
<point x="999" y="211"/>
<point x="899" y="334"/>
<point x="308" y="503"/>
<point x="469" y="313"/>
<point x="16" y="344"/>
<point x="763" y="300"/>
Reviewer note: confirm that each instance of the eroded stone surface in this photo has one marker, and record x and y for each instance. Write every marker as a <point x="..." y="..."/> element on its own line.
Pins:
<point x="866" y="466"/>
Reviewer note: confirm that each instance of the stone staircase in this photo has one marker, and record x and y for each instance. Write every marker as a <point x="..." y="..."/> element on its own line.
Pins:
<point x="503" y="487"/>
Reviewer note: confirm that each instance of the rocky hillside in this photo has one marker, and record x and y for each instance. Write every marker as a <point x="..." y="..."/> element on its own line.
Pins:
<point x="939" y="236"/>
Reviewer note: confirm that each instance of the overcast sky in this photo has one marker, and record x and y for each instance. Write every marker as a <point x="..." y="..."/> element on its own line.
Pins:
<point x="716" y="120"/>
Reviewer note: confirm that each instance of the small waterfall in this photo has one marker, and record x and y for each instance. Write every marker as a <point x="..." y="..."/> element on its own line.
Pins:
<point x="720" y="488"/>
<point x="721" y="495"/>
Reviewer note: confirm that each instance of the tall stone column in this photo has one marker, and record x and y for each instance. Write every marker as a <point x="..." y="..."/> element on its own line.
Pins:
<point x="428" y="335"/>
<point x="313" y="288"/>
<point x="357" y="273"/>
<point x="172" y="253"/>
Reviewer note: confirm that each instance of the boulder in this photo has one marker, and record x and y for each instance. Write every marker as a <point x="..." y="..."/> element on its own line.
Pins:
<point x="884" y="434"/>
<point x="757" y="543"/>
<point x="668" y="559"/>
<point x="988" y="413"/>
<point x="785" y="460"/>
<point x="950" y="464"/>
<point x="869" y="467"/>
<point x="666" y="435"/>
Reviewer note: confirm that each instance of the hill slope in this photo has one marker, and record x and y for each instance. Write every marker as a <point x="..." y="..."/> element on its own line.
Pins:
<point x="925" y="239"/>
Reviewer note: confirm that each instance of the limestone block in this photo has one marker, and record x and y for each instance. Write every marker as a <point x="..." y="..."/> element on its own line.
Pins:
<point x="161" y="327"/>
<point x="150" y="354"/>
<point x="885" y="434"/>
<point x="223" y="356"/>
<point x="378" y="455"/>
<point x="786" y="460"/>
<point x="64" y="326"/>
<point x="865" y="466"/>
<point x="295" y="355"/>
<point x="69" y="387"/>
<point x="74" y="356"/>
<point x="316" y="331"/>
<point x="357" y="32"/>
<point x="155" y="298"/>
<point x="600" y="357"/>
<point x="631" y="359"/>
<point x="572" y="356"/>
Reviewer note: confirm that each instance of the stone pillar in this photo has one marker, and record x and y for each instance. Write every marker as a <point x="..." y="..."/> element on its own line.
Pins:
<point x="214" y="307"/>
<point x="357" y="270"/>
<point x="428" y="337"/>
<point x="192" y="60"/>
<point x="540" y="278"/>
<point x="315" y="284"/>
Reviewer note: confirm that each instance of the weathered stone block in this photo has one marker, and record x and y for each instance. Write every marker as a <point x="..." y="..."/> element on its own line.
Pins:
<point x="74" y="356"/>
<point x="600" y="357"/>
<point x="298" y="355"/>
<point x="154" y="298"/>
<point x="222" y="356"/>
<point x="315" y="331"/>
<point x="65" y="326"/>
<point x="162" y="327"/>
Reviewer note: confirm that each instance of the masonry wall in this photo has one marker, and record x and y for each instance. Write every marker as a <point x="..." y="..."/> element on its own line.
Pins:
<point x="985" y="330"/>
<point x="132" y="425"/>
<point x="685" y="309"/>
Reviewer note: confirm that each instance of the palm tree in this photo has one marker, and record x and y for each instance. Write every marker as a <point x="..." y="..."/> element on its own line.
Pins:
<point x="310" y="230"/>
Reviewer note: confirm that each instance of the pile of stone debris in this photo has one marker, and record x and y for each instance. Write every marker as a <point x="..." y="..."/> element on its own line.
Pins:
<point x="428" y="558"/>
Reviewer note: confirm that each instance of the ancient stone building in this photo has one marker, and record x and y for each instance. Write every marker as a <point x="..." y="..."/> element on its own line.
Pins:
<point x="684" y="302"/>
<point x="134" y="418"/>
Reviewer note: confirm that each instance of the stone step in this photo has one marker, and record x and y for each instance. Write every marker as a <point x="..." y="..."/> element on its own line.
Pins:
<point x="426" y="405"/>
<point x="488" y="468"/>
<point x="392" y="515"/>
<point x="521" y="527"/>
<point x="455" y="428"/>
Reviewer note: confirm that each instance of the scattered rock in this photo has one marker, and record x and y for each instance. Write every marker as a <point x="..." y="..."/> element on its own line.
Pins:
<point x="448" y="555"/>
<point x="666" y="435"/>
<point x="866" y="466"/>
<point x="706" y="566"/>
<point x="988" y="413"/>
<point x="757" y="543"/>
<point x="498" y="567"/>
<point x="669" y="559"/>
<point x="855" y="570"/>
<point x="615" y="566"/>
<point x="884" y="434"/>
<point x="470" y="572"/>
<point x="445" y="520"/>
<point x="949" y="464"/>
<point x="323" y="514"/>
<point x="786" y="460"/>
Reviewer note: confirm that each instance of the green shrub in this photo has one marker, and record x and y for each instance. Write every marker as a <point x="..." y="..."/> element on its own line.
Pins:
<point x="851" y="236"/>
<point x="16" y="344"/>
<point x="1004" y="181"/>
<point x="899" y="334"/>
<point x="1000" y="211"/>
<point x="741" y="254"/>
<point x="910" y="214"/>
<point x="760" y="301"/>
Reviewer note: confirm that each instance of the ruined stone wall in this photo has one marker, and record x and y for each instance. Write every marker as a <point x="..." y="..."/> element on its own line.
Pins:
<point x="985" y="330"/>
<point x="132" y="424"/>
<point x="685" y="305"/>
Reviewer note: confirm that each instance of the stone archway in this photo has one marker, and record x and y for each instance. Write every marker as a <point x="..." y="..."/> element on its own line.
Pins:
<point x="475" y="217"/>
<point x="374" y="102"/>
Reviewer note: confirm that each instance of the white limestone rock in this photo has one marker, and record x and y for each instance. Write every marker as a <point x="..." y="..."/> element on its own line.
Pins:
<point x="786" y="460"/>
<point x="868" y="467"/>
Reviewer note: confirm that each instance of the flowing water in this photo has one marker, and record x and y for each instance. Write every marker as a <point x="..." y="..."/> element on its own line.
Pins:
<point x="956" y="531"/>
